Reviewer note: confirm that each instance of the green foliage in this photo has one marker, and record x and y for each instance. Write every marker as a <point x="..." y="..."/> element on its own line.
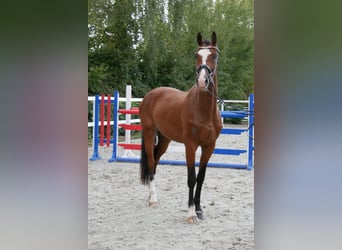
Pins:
<point x="97" y="77"/>
<point x="152" y="43"/>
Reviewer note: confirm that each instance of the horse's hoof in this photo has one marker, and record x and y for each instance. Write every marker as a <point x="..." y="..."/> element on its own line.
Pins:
<point x="192" y="220"/>
<point x="200" y="215"/>
<point x="153" y="204"/>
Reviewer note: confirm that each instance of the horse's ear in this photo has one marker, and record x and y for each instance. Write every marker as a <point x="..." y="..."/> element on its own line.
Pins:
<point x="199" y="39"/>
<point x="213" y="39"/>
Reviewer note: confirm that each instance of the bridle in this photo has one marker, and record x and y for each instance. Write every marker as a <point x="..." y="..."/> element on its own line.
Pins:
<point x="210" y="73"/>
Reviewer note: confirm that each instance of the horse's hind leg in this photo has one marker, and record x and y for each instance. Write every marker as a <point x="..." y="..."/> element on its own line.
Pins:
<point x="148" y="164"/>
<point x="160" y="149"/>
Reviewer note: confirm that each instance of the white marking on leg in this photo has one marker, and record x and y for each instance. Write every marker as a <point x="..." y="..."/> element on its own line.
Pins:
<point x="191" y="211"/>
<point x="153" y="194"/>
<point x="192" y="216"/>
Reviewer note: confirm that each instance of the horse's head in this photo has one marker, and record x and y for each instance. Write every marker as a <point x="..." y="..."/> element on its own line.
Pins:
<point x="206" y="63"/>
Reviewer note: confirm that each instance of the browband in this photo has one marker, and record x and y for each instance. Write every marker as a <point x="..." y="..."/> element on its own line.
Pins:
<point x="210" y="47"/>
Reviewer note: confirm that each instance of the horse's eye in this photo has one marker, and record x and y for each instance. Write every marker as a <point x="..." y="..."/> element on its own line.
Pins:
<point x="215" y="56"/>
<point x="196" y="55"/>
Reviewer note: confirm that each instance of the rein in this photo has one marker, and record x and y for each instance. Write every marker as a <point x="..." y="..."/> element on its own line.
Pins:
<point x="219" y="99"/>
<point x="211" y="81"/>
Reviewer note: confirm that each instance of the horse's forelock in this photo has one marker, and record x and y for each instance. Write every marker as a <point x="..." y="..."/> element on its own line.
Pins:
<point x="207" y="42"/>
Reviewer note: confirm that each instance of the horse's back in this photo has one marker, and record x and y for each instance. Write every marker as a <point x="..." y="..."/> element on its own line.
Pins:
<point x="162" y="98"/>
<point x="161" y="109"/>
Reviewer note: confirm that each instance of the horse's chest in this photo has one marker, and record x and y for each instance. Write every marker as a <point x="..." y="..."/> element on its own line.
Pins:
<point x="205" y="132"/>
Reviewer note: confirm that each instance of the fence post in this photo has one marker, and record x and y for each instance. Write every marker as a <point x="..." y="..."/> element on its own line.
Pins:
<point x="94" y="113"/>
<point x="250" y="131"/>
<point x="108" y="121"/>
<point x="128" y="116"/>
<point x="95" y="155"/>
<point x="102" y="109"/>
<point x="222" y="109"/>
<point x="115" y="127"/>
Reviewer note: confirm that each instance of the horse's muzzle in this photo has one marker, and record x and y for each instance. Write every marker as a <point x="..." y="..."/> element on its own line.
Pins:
<point x="205" y="79"/>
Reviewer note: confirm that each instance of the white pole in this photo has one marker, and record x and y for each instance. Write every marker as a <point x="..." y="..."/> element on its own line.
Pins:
<point x="128" y="116"/>
<point x="94" y="122"/>
<point x="222" y="109"/>
<point x="128" y="120"/>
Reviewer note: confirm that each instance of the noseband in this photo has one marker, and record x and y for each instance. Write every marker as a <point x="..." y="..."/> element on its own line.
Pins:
<point x="209" y="74"/>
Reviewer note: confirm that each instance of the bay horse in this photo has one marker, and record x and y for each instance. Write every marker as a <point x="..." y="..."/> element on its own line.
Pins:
<point x="191" y="118"/>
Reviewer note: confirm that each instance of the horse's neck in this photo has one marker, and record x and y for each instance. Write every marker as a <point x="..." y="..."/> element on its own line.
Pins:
<point x="205" y="102"/>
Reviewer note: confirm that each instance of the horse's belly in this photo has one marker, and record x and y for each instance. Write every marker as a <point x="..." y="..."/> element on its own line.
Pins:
<point x="170" y="128"/>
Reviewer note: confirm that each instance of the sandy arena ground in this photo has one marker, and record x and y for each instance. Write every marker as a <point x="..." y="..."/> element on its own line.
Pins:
<point x="119" y="217"/>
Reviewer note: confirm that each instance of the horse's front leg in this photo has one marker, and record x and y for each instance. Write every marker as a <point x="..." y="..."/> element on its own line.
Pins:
<point x="190" y="159"/>
<point x="206" y="154"/>
<point x="197" y="199"/>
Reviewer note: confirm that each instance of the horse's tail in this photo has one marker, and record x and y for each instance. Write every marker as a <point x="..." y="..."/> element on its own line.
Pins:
<point x="144" y="171"/>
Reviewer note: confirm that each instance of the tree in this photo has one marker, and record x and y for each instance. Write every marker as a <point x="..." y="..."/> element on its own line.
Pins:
<point x="149" y="43"/>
